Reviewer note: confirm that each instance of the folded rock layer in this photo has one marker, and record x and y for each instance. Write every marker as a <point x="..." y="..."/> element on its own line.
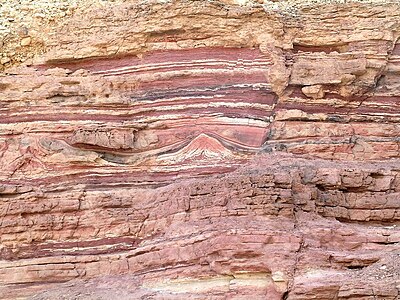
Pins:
<point x="200" y="150"/>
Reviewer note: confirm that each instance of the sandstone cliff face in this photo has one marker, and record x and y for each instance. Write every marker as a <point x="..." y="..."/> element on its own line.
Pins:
<point x="200" y="150"/>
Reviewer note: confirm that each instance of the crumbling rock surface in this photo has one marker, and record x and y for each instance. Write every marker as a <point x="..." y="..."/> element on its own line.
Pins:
<point x="200" y="150"/>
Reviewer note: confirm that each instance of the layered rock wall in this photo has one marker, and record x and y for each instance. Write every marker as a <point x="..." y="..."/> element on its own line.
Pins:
<point x="201" y="149"/>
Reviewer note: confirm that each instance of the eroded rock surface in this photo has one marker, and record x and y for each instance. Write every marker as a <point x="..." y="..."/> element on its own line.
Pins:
<point x="200" y="150"/>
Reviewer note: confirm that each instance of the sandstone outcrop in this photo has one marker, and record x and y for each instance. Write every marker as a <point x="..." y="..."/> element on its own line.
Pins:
<point x="200" y="150"/>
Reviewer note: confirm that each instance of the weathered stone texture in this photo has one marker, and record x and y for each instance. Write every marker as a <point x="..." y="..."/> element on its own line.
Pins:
<point x="200" y="150"/>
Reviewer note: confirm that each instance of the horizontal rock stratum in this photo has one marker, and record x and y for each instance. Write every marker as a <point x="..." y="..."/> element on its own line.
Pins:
<point x="191" y="149"/>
